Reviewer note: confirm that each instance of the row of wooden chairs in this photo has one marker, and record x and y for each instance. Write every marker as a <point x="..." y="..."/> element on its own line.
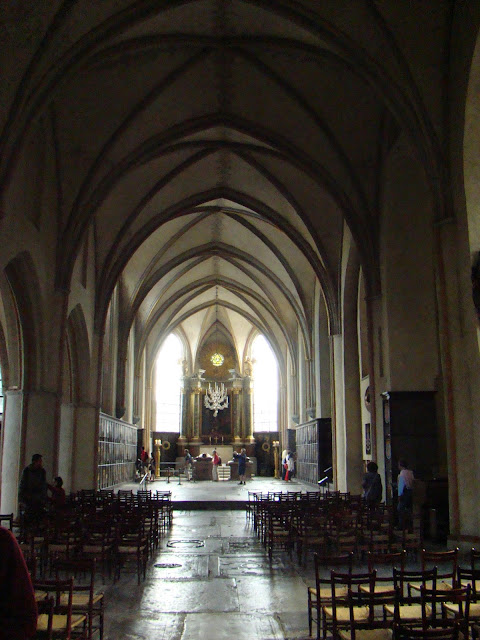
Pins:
<point x="113" y="537"/>
<point x="415" y="596"/>
<point x="287" y="523"/>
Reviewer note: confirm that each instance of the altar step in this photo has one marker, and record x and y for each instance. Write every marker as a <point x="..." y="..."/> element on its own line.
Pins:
<point x="215" y="505"/>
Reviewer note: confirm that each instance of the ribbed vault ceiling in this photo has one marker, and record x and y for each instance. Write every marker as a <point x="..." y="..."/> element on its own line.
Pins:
<point x="219" y="148"/>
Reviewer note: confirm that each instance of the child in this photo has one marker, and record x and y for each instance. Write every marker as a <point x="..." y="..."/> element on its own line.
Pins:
<point x="58" y="498"/>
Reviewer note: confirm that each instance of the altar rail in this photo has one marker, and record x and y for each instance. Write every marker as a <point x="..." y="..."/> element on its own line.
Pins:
<point x="117" y="451"/>
<point x="313" y="441"/>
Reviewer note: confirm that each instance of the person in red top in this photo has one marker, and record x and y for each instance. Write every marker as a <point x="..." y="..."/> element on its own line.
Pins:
<point x="215" y="462"/>
<point x="18" y="609"/>
<point x="144" y="459"/>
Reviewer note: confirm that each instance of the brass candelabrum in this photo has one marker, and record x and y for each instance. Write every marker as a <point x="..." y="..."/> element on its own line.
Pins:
<point x="276" y="447"/>
<point x="158" y="444"/>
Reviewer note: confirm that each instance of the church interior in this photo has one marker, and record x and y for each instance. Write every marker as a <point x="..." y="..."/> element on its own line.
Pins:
<point x="242" y="224"/>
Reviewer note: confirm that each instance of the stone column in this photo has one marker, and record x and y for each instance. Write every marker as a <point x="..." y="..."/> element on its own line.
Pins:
<point x="85" y="452"/>
<point x="309" y="389"/>
<point x="236" y="414"/>
<point x="460" y="365"/>
<point x="13" y="459"/>
<point x="184" y="413"/>
<point x="197" y="398"/>
<point x="338" y="419"/>
<point x="247" y="431"/>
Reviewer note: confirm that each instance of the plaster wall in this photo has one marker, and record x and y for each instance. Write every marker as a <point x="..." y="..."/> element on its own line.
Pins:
<point x="65" y="445"/>
<point x="40" y="429"/>
<point x="408" y="276"/>
<point x="85" y="448"/>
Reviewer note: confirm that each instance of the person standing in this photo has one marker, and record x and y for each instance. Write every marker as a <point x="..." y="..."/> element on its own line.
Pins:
<point x="32" y="493"/>
<point x="372" y="485"/>
<point x="242" y="465"/>
<point x="405" y="494"/>
<point x="215" y="463"/>
<point x="285" y="453"/>
<point x="152" y="467"/>
<point x="290" y="467"/>
<point x="188" y="464"/>
<point x="18" y="609"/>
<point x="144" y="459"/>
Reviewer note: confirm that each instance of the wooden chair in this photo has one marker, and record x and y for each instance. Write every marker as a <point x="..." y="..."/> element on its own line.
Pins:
<point x="471" y="577"/>
<point x="98" y="543"/>
<point x="321" y="593"/>
<point x="447" y="565"/>
<point x="45" y="608"/>
<point x="337" y="614"/>
<point x="6" y="520"/>
<point x="411" y="608"/>
<point x="408" y="632"/>
<point x="62" y="622"/>
<point x="85" y="600"/>
<point x="279" y="527"/>
<point x="131" y="545"/>
<point x="309" y="533"/>
<point x="373" y="628"/>
<point x="384" y="563"/>
<point x="474" y="558"/>
<point x="454" y="603"/>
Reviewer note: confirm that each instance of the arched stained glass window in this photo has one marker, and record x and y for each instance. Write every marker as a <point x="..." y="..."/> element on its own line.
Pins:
<point x="265" y="386"/>
<point x="168" y="385"/>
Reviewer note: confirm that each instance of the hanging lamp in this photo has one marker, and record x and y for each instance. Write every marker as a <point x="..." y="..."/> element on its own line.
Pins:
<point x="216" y="397"/>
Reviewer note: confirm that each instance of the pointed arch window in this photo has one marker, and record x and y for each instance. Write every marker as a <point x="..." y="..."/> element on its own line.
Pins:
<point x="168" y="384"/>
<point x="265" y="386"/>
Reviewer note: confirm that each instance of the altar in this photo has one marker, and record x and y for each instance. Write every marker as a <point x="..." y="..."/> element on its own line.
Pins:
<point x="224" y="451"/>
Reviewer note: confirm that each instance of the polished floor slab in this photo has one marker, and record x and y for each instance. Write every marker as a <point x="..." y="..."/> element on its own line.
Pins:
<point x="210" y="578"/>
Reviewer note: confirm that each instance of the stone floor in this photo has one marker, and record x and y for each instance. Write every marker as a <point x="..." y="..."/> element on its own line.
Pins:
<point x="211" y="578"/>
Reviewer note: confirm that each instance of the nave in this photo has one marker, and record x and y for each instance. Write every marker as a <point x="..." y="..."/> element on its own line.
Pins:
<point x="212" y="577"/>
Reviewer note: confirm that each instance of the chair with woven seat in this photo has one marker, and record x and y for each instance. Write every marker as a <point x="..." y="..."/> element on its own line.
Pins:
<point x="309" y="533"/>
<point x="60" y="622"/>
<point x="97" y="543"/>
<point x="453" y="603"/>
<point x="85" y="599"/>
<point x="321" y="593"/>
<point x="384" y="563"/>
<point x="373" y="628"/>
<point x="6" y="520"/>
<point x="471" y="577"/>
<point x="131" y="545"/>
<point x="411" y="605"/>
<point x="447" y="565"/>
<point x="443" y="632"/>
<point x="279" y="533"/>
<point x="337" y="614"/>
<point x="45" y="609"/>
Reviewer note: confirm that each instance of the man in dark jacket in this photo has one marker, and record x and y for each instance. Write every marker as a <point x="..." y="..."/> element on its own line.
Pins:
<point x="32" y="493"/>
<point x="372" y="485"/>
